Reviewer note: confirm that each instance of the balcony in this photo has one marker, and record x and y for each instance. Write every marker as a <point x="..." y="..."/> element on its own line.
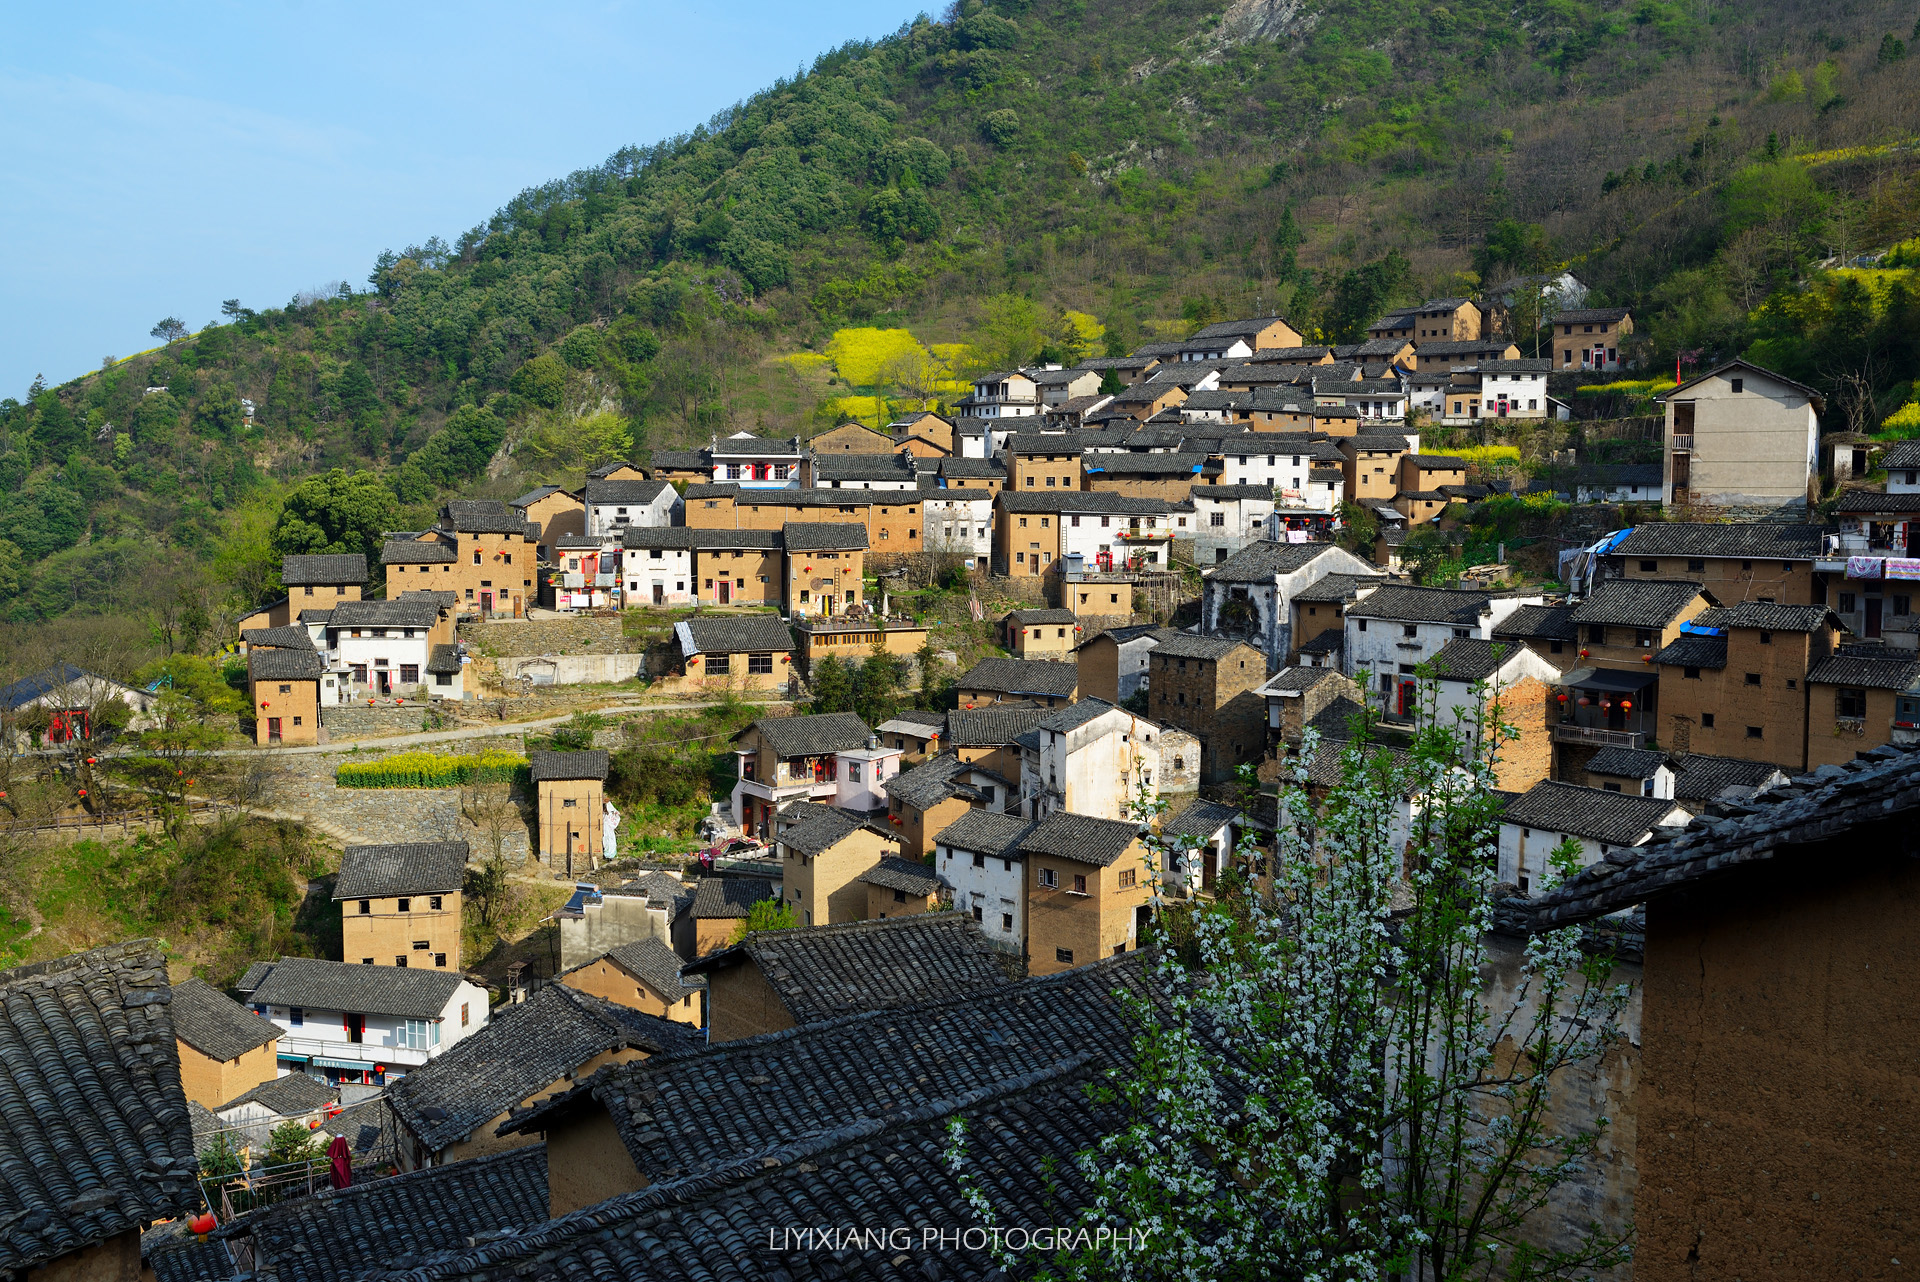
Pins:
<point x="1681" y="442"/>
<point x="1596" y="737"/>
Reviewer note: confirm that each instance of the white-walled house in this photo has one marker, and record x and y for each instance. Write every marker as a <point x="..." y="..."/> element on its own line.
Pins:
<point x="1466" y="662"/>
<point x="383" y="646"/>
<point x="612" y="506"/>
<point x="1395" y="628"/>
<point x="361" y="1024"/>
<point x="1093" y="758"/>
<point x="1741" y="435"/>
<point x="957" y="520"/>
<point x="1250" y="594"/>
<point x="656" y="565"/>
<point x="1200" y="843"/>
<point x="863" y="775"/>
<point x="1514" y="389"/>
<point x="1108" y="531"/>
<point x="979" y="855"/>
<point x="1600" y="821"/>
<point x="753" y="463"/>
<point x="1227" y="518"/>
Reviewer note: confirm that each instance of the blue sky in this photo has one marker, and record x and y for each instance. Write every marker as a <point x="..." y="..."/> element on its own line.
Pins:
<point x="158" y="158"/>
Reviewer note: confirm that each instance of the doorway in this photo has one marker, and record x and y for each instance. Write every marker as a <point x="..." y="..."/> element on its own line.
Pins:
<point x="1404" y="705"/>
<point x="659" y="594"/>
<point x="1873" y="616"/>
<point x="356" y="1028"/>
<point x="273" y="730"/>
<point x="384" y="679"/>
<point x="486" y="604"/>
<point x="726" y="592"/>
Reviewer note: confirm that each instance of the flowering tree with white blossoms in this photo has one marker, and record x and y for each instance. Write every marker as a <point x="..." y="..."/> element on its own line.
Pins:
<point x="1325" y="1090"/>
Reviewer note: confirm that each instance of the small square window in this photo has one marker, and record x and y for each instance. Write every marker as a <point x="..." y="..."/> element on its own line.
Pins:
<point x="433" y="902"/>
<point x="405" y="905"/>
<point x="1753" y="678"/>
<point x="1753" y="732"/>
<point x="366" y="907"/>
<point x="1064" y="956"/>
<point x="1706" y="721"/>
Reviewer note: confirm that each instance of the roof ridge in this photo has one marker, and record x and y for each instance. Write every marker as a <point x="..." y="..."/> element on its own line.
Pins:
<point x="76" y="961"/>
<point x="322" y="1197"/>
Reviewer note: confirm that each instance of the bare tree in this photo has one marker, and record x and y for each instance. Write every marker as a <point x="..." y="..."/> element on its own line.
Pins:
<point x="495" y="815"/>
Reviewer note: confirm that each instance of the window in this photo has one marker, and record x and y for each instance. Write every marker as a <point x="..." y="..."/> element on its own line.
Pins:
<point x="366" y="961"/>
<point x="296" y="721"/>
<point x="1610" y="787"/>
<point x="1740" y="385"/>
<point x="296" y="1016"/>
<point x="422" y="945"/>
<point x="1409" y="630"/>
<point x="760" y="663"/>
<point x="463" y="1014"/>
<point x="1649" y="567"/>
<point x="1850" y="703"/>
<point x="366" y="907"/>
<point x="1079" y="883"/>
<point x="414" y="1035"/>
<point x="1556" y="647"/>
<point x="979" y="860"/>
<point x="434" y="902"/>
<point x="1006" y="921"/>
<point x="401" y="960"/>
<point x="1690" y="674"/>
<point x="569" y="803"/>
<point x="1064" y="956"/>
<point x="1128" y="878"/>
<point x="1902" y="605"/>
<point x="1696" y="565"/>
<point x="1846" y="603"/>
<point x="1363" y="625"/>
<point x="1217" y="518"/>
<point x="1596" y="634"/>
<point x="440" y="960"/>
<point x="1753" y="732"/>
<point x="1457" y="632"/>
<point x="1048" y="877"/>
<point x="404" y="905"/>
<point x="1706" y="721"/>
<point x="719" y="664"/>
<point x="1645" y="639"/>
<point x="286" y="689"/>
<point x="1753" y="678"/>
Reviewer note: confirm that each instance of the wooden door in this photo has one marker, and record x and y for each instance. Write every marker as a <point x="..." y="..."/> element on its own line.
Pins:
<point x="1873" y="616"/>
<point x="273" y="730"/>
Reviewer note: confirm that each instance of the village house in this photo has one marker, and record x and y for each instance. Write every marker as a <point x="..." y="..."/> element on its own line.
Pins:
<point x="1239" y="338"/>
<point x="823" y="851"/>
<point x="852" y="638"/>
<point x="1859" y="699"/>
<point x="1044" y="681"/>
<point x="569" y="808"/>
<point x="91" y="1053"/>
<point x="1043" y="461"/>
<point x="449" y="1110"/>
<point x="899" y="887"/>
<point x="1249" y="596"/>
<point x="400" y="903"/>
<point x="1755" y="561"/>
<point x="1513" y="388"/>
<point x="1739" y="435"/>
<point x="1201" y="844"/>
<point x="1296" y="695"/>
<point x="925" y="799"/>
<point x="1156" y="475"/>
<point x="825" y="568"/>
<point x="1615" y="694"/>
<point x="1059" y="386"/>
<point x="556" y="512"/>
<point x="249" y="1118"/>
<point x="852" y="437"/>
<point x="1320" y="608"/>
<point x="612" y="506"/>
<point x="321" y="581"/>
<point x="1004" y="394"/>
<point x="496" y="551"/>
<point x="1097" y="759"/>
<point x="752" y="463"/>
<point x="656" y="564"/>
<point x="1142" y="401"/>
<point x="775" y="980"/>
<point x="1455" y="319"/>
<point x="651" y="906"/>
<point x="1618" y="483"/>
<point x="1510" y="694"/>
<point x="72" y="699"/>
<point x="363" y="1024"/>
<point x="925" y="435"/>
<point x="428" y="566"/>
<point x="1547" y="630"/>
<point x="1100" y="532"/>
<point x="990" y="736"/>
<point x="787" y="759"/>
<point x="382" y="648"/>
<point x="618" y="471"/>
<point x="915" y="733"/>
<point x="1371" y="470"/>
<point x="1591" y="337"/>
<point x="225" y="1049"/>
<point x="1599" y="822"/>
<point x="750" y="652"/>
<point x="1112" y="664"/>
<point x="1436" y="356"/>
<point x="1041" y="634"/>
<point x="895" y="471"/>
<point x="284" y="685"/>
<point x="1876" y="524"/>
<point x="978" y="855"/>
<point x="1774" y="954"/>
<point x="1694" y="779"/>
<point x="1734" y="683"/>
<point x="1208" y="686"/>
<point x="720" y="906"/>
<point x="1089" y="890"/>
<point x="1396" y="628"/>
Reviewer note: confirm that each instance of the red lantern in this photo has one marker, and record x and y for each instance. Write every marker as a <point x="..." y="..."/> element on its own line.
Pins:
<point x="692" y="659"/>
<point x="1646" y="658"/>
<point x="1584" y="701"/>
<point x="83" y="792"/>
<point x="1583" y="654"/>
<point x="203" y="1224"/>
<point x="91" y="760"/>
<point x="1627" y="704"/>
<point x="265" y="703"/>
<point x="189" y="783"/>
<point x="1563" y="698"/>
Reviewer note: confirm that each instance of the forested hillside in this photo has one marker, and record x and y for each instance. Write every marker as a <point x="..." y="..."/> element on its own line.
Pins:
<point x="1013" y="180"/>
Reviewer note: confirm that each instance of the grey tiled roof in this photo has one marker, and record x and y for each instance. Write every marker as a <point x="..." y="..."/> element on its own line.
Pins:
<point x="288" y="637"/>
<point x="539" y="492"/>
<point x="1336" y="587"/>
<point x="1332" y="641"/>
<point x="1539" y="622"/>
<point x="1421" y="605"/>
<point x="1779" y="542"/>
<point x="657" y="965"/>
<point x="214" y="1024"/>
<point x="638" y="493"/>
<point x="1769" y="616"/>
<point x="987" y="831"/>
<point x="825" y="536"/>
<point x="484" y="516"/>
<point x="1081" y="838"/>
<point x="820" y="972"/>
<point x="816" y="829"/>
<point x="288" y="1096"/>
<point x="729" y="896"/>
<point x="1705" y="778"/>
<point x="1074" y="715"/>
<point x="284" y="665"/>
<point x="585" y="764"/>
<point x="753" y="446"/>
<point x="681" y="460"/>
<point x="399" y="1221"/>
<point x="417" y="552"/>
<point x="1875" y="501"/>
<point x="1628" y="763"/>
<point x="1690" y="650"/>
<point x="1590" y="315"/>
<point x="403" y="868"/>
<point x="1202" y="819"/>
<point x="909" y="876"/>
<point x="175" y="1255"/>
<point x="329" y="568"/>
<point x="444" y="658"/>
<point x="1022" y="676"/>
<point x="1874" y="673"/>
<point x="1189" y="646"/>
<point x="718" y="635"/>
<point x="521" y="1051"/>
<point x="1901" y="455"/>
<point x="863" y="467"/>
<point x="1028" y="618"/>
<point x="94" y="1126"/>
<point x="1867" y="803"/>
<point x="1237" y="328"/>
<point x="1616" y="818"/>
<point x="403" y="612"/>
<point x="1470" y="659"/>
<point x="1259" y="562"/>
<point x="315" y="984"/>
<point x="813" y="736"/>
<point x="1637" y="603"/>
<point x="932" y="782"/>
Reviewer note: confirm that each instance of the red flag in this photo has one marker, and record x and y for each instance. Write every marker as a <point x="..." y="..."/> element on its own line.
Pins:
<point x="342" y="1164"/>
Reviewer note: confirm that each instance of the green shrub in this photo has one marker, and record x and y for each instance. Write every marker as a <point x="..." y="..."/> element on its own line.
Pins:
<point x="432" y="770"/>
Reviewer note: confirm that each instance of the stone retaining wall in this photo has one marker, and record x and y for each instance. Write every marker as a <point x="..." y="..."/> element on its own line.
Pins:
<point x="352" y="722"/>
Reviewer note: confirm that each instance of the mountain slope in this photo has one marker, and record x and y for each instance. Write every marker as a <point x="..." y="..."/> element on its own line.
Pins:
<point x="1151" y="164"/>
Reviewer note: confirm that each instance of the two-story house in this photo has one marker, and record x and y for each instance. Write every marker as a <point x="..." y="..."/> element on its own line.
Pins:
<point x="1740" y="435"/>
<point x="786" y="759"/>
<point x="1590" y="337"/>
<point x="321" y="581"/>
<point x="979" y="856"/>
<point x="225" y="1049"/>
<point x="555" y="511"/>
<point x="1320" y="615"/>
<point x="1208" y="686"/>
<point x="570" y="808"/>
<point x="1097" y="759"/>
<point x="286" y="685"/>
<point x="741" y="653"/>
<point x="1513" y="389"/>
<point x="753" y="463"/>
<point x="1249" y="595"/>
<point x="383" y="647"/>
<point x="826" y="566"/>
<point x="363" y="1024"/>
<point x="1112" y="664"/>
<point x="924" y="800"/>
<point x="1002" y="394"/>
<point x="1534" y="824"/>
<point x="1396" y="628"/>
<point x="1240" y="338"/>
<point x="1858" y="699"/>
<point x="1614" y="695"/>
<point x="823" y="853"/>
<point x="896" y="471"/>
<point x="1767" y="561"/>
<point x="1371" y="470"/>
<point x="400" y="903"/>
<point x="496" y="551"/>
<point x="1089" y="890"/>
<point x="612" y="506"/>
<point x="1734" y="683"/>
